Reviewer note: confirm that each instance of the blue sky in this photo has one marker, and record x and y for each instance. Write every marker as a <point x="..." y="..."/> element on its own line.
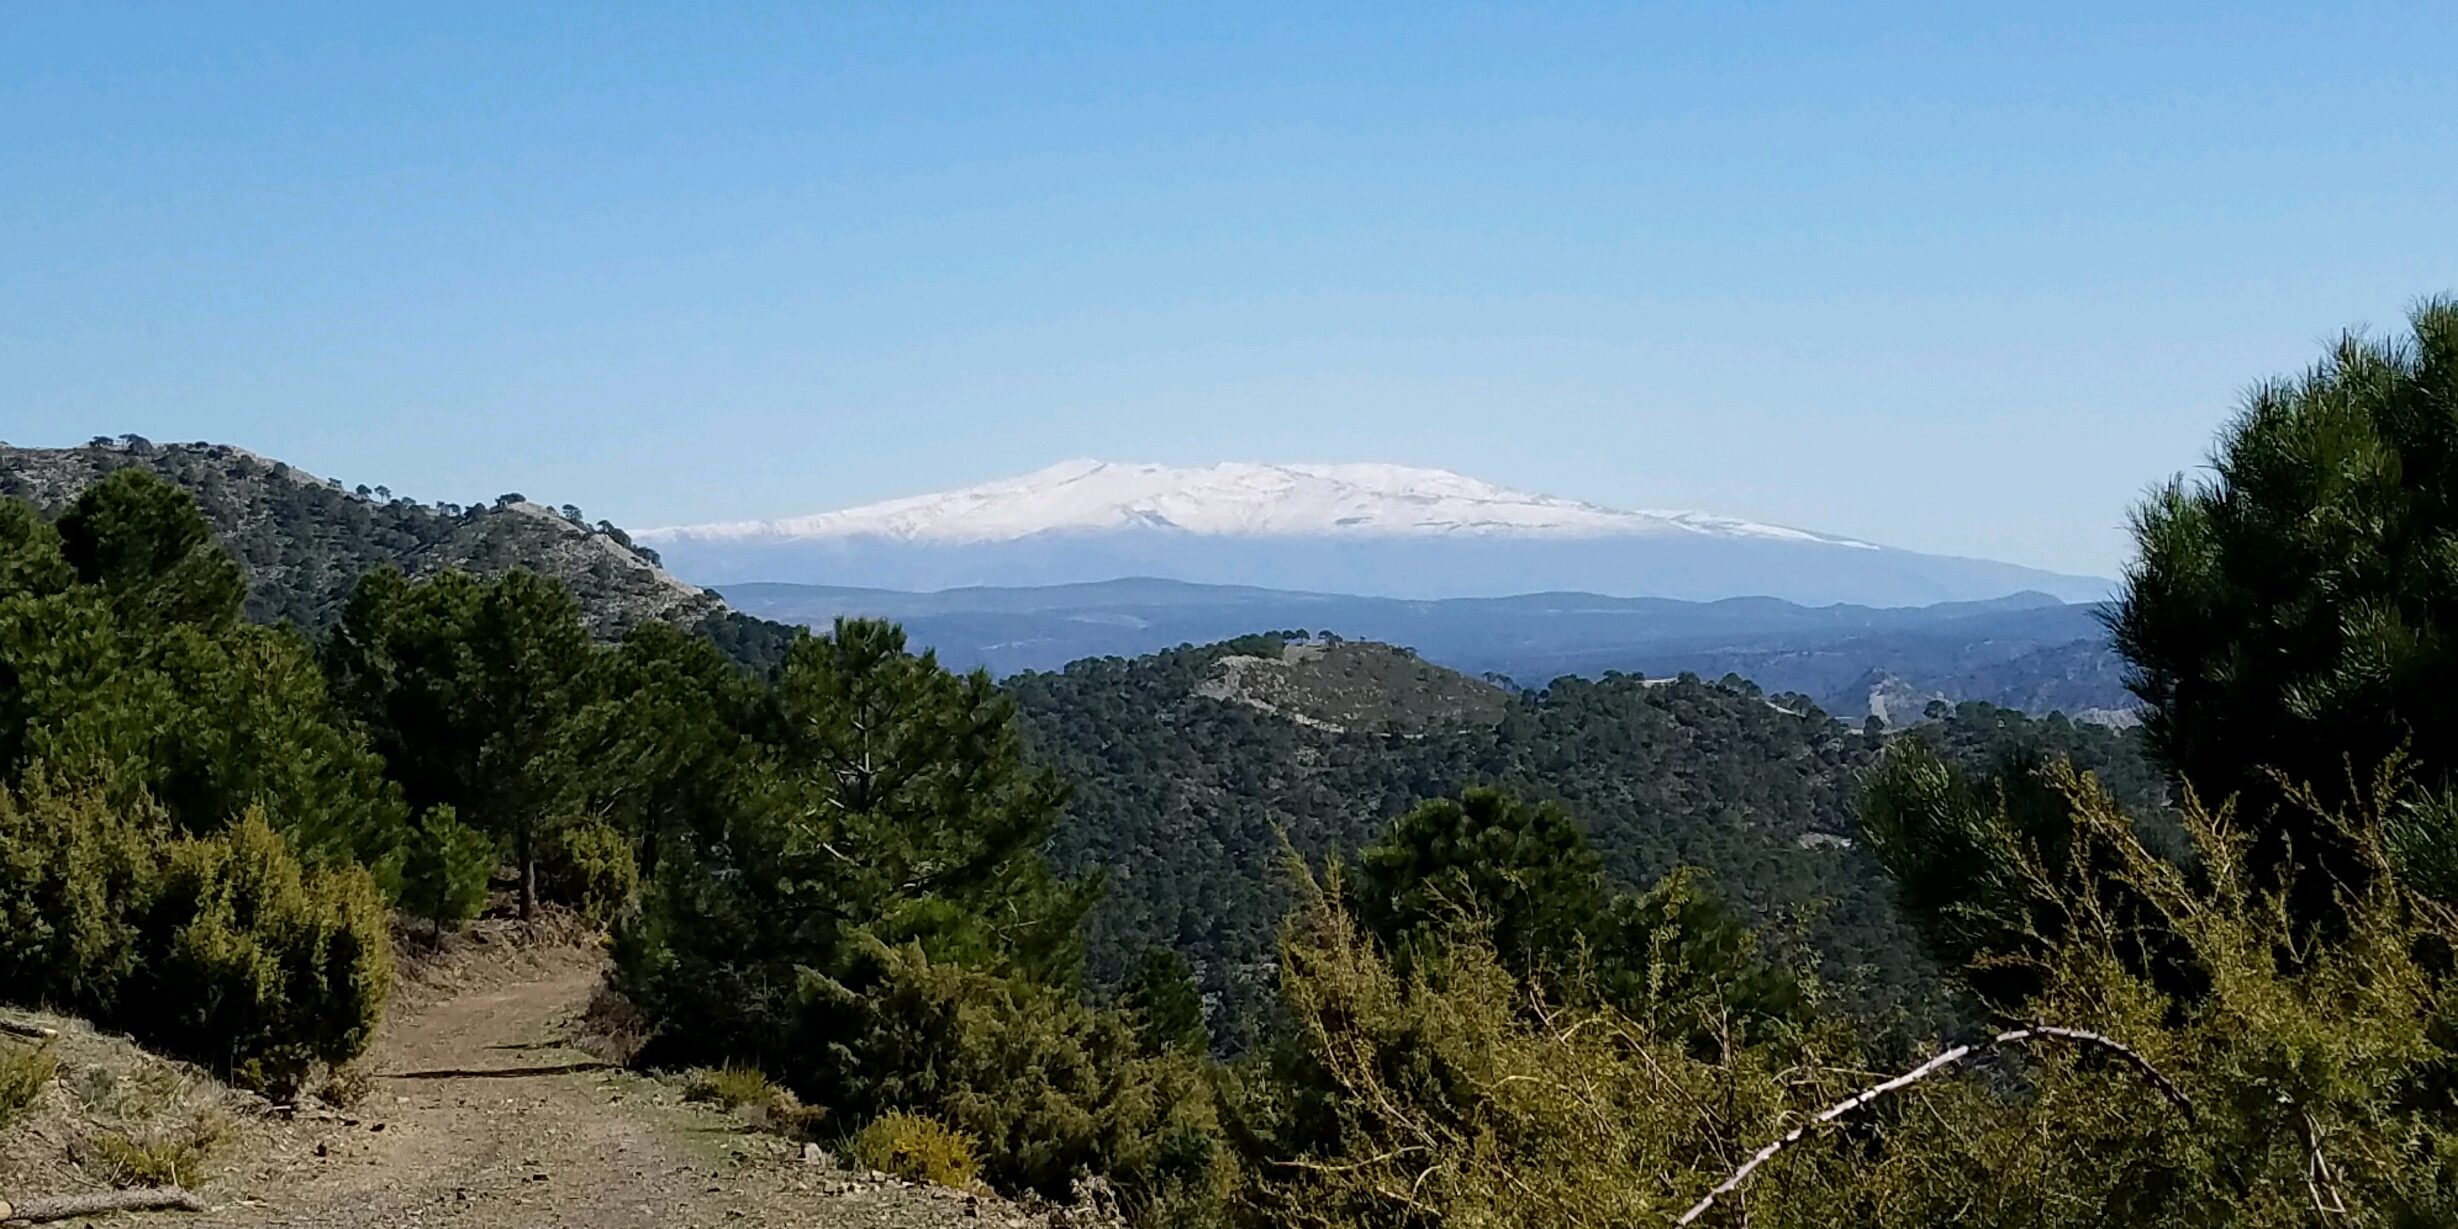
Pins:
<point x="1957" y="279"/>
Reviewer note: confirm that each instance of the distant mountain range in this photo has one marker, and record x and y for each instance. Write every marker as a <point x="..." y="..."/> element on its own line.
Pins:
<point x="1375" y="530"/>
<point x="2027" y="651"/>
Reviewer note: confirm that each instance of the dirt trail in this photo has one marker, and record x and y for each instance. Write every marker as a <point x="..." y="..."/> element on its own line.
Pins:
<point x="483" y="1115"/>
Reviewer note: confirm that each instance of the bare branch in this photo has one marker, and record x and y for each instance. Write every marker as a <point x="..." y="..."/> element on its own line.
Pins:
<point x="2319" y="1178"/>
<point x="1945" y="1061"/>
<point x="69" y="1207"/>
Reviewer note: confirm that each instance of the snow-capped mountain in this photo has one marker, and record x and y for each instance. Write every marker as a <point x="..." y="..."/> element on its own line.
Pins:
<point x="1234" y="500"/>
<point x="1374" y="530"/>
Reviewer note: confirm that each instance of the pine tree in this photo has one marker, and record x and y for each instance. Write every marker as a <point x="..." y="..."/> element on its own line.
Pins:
<point x="470" y="689"/>
<point x="143" y="542"/>
<point x="2290" y="620"/>
<point x="1525" y="871"/>
<point x="1168" y="1009"/>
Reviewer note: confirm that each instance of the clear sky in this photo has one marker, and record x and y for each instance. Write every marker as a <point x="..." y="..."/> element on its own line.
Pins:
<point x="1961" y="279"/>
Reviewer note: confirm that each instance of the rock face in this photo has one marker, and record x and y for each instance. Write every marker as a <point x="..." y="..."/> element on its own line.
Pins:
<point x="1377" y="530"/>
<point x="305" y="540"/>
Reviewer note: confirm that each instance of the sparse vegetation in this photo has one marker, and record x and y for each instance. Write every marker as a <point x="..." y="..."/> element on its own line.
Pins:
<point x="174" y="1157"/>
<point x="26" y="1071"/>
<point x="345" y="1086"/>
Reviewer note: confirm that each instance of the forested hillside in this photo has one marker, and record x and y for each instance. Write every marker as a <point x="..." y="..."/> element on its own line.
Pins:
<point x="1183" y="797"/>
<point x="303" y="541"/>
<point x="2025" y="651"/>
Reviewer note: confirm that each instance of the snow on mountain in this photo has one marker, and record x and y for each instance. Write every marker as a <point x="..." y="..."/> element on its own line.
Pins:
<point x="1235" y="500"/>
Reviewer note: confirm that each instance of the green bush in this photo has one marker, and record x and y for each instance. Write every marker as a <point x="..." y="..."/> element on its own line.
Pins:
<point x="75" y="872"/>
<point x="220" y="948"/>
<point x="590" y="867"/>
<point x="731" y="1087"/>
<point x="445" y="877"/>
<point x="1048" y="1089"/>
<point x="918" y="1147"/>
<point x="266" y="969"/>
<point x="24" y="1074"/>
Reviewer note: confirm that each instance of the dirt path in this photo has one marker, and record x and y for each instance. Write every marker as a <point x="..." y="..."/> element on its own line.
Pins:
<point x="483" y="1115"/>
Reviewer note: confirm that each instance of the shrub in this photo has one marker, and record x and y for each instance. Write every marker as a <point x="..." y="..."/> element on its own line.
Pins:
<point x="918" y="1147"/>
<point x="265" y="969"/>
<point x="219" y="948"/>
<point x="1439" y="1095"/>
<point x="169" y="1158"/>
<point x="74" y="872"/>
<point x="24" y="1074"/>
<point x="1048" y="1089"/>
<point x="445" y="877"/>
<point x="345" y="1086"/>
<point x="590" y="867"/>
<point x="730" y="1087"/>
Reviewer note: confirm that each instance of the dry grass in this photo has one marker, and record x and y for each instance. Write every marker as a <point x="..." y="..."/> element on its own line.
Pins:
<point x="612" y="1028"/>
<point x="26" y="1072"/>
<point x="749" y="1094"/>
<point x="345" y="1087"/>
<point x="174" y="1154"/>
<point x="104" y="1113"/>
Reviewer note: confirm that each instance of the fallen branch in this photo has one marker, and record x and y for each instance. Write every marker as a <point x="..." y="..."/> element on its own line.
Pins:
<point x="1949" y="1059"/>
<point x="69" y="1207"/>
<point x="33" y="1031"/>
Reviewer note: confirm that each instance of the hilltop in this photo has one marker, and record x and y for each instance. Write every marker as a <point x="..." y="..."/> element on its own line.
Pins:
<point x="1341" y="686"/>
<point x="304" y="539"/>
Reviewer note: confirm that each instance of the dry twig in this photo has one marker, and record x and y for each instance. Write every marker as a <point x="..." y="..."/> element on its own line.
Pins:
<point x="1949" y="1059"/>
<point x="69" y="1207"/>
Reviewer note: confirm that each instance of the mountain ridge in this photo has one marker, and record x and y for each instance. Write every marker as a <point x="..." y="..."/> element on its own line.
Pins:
<point x="1230" y="498"/>
<point x="1370" y="530"/>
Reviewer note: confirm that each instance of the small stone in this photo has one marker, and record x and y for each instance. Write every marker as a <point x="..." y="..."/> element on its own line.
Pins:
<point x="813" y="1154"/>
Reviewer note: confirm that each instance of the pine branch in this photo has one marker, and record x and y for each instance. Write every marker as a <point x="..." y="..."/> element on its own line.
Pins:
<point x="1945" y="1061"/>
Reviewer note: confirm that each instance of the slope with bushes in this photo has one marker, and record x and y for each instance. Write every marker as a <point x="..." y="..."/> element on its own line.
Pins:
<point x="190" y="846"/>
<point x="304" y="541"/>
<point x="1185" y="799"/>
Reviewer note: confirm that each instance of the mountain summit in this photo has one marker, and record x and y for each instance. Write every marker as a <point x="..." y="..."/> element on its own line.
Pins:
<point x="1370" y="530"/>
<point x="1233" y="500"/>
